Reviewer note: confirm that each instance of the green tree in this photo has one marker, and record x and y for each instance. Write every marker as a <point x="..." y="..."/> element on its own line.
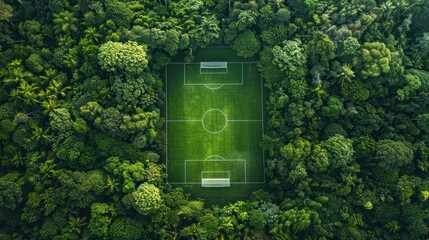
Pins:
<point x="246" y="19"/>
<point x="65" y="23"/>
<point x="147" y="199"/>
<point x="274" y="35"/>
<point x="350" y="47"/>
<point x="7" y="11"/>
<point x="10" y="194"/>
<point x="392" y="154"/>
<point x="246" y="44"/>
<point x="102" y="215"/>
<point x="294" y="221"/>
<point x="413" y="84"/>
<point x="374" y="60"/>
<point x="35" y="63"/>
<point x="423" y="122"/>
<point x="291" y="59"/>
<point x="129" y="57"/>
<point x="119" y="12"/>
<point x="321" y="48"/>
<point x="207" y="32"/>
<point x="334" y="108"/>
<point x="340" y="150"/>
<point x="298" y="150"/>
<point x="125" y="228"/>
<point x="209" y="226"/>
<point x="422" y="45"/>
<point x="318" y="162"/>
<point x="130" y="173"/>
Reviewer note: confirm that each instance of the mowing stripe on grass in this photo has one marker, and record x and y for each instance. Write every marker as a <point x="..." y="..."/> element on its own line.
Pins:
<point x="234" y="134"/>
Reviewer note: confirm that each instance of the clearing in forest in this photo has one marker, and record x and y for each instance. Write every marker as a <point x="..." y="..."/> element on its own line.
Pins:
<point x="215" y="122"/>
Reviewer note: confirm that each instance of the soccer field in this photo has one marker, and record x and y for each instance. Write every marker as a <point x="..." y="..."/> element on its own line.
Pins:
<point x="214" y="123"/>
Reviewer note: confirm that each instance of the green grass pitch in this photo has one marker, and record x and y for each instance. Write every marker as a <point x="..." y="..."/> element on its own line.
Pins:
<point x="214" y="124"/>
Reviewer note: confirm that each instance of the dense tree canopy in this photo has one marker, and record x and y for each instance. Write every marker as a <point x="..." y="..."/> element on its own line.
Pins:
<point x="83" y="134"/>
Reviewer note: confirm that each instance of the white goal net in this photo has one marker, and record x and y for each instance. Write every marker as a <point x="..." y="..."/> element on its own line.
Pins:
<point x="213" y="67"/>
<point x="215" y="179"/>
<point x="215" y="182"/>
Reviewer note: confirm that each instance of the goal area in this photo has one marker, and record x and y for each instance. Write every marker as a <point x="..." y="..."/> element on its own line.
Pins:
<point x="213" y="67"/>
<point x="215" y="179"/>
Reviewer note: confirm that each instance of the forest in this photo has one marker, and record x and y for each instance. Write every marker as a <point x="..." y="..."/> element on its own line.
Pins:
<point x="82" y="135"/>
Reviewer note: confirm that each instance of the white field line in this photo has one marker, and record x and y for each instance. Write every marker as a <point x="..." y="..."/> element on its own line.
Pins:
<point x="199" y="120"/>
<point x="229" y="173"/>
<point x="217" y="160"/>
<point x="262" y="123"/>
<point x="198" y="63"/>
<point x="166" y="119"/>
<point x="242" y="80"/>
<point x="199" y="183"/>
<point x="212" y="84"/>
<point x="245" y="172"/>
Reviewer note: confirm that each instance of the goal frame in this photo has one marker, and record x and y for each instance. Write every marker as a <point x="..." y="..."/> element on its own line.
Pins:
<point x="211" y="182"/>
<point x="214" y="180"/>
<point x="215" y="67"/>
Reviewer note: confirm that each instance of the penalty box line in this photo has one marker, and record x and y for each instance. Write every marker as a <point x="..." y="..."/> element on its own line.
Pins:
<point x="220" y="160"/>
<point x="214" y="84"/>
<point x="199" y="120"/>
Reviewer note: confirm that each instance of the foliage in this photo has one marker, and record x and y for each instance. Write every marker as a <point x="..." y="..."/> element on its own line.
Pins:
<point x="129" y="173"/>
<point x="246" y="44"/>
<point x="291" y="59"/>
<point x="124" y="228"/>
<point x="83" y="134"/>
<point x="147" y="199"/>
<point x="101" y="218"/>
<point x="11" y="194"/>
<point x="299" y="150"/>
<point x="340" y="150"/>
<point x="129" y="57"/>
<point x="392" y="154"/>
<point x="374" y="60"/>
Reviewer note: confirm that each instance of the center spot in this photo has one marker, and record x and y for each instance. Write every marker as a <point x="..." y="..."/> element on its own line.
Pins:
<point x="214" y="121"/>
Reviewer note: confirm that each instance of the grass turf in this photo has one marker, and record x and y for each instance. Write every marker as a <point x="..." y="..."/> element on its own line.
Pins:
<point x="214" y="127"/>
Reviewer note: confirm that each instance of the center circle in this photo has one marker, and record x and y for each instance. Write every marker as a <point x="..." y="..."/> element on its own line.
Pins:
<point x="214" y="121"/>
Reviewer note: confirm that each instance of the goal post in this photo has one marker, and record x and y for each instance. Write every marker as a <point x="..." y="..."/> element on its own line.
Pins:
<point x="215" y="179"/>
<point x="213" y="67"/>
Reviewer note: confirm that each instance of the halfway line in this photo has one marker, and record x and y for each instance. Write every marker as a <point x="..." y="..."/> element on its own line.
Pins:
<point x="183" y="120"/>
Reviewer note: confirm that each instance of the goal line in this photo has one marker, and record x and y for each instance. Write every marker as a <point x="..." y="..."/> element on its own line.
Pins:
<point x="213" y="73"/>
<point x="233" y="169"/>
<point x="213" y="67"/>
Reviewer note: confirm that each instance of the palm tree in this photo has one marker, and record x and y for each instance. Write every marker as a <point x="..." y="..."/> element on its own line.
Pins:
<point x="54" y="90"/>
<point x="28" y="93"/>
<point x="393" y="226"/>
<point x="16" y="73"/>
<point x="49" y="104"/>
<point x="346" y="74"/>
<point x="50" y="74"/>
<point x="18" y="160"/>
<point x="91" y="34"/>
<point x="65" y="22"/>
<point x="112" y="185"/>
<point x="65" y="40"/>
<point x="15" y="95"/>
<point x="76" y="224"/>
<point x="39" y="135"/>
